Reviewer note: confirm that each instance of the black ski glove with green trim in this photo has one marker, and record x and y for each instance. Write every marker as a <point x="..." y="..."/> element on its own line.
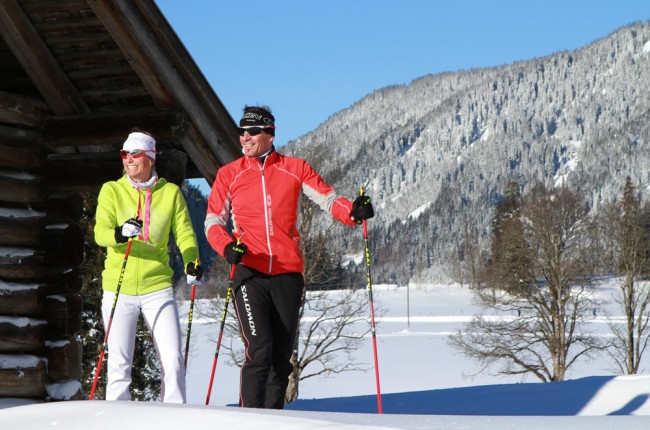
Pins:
<point x="234" y="252"/>
<point x="362" y="209"/>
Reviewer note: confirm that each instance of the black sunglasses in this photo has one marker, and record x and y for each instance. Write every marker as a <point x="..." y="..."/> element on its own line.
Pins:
<point x="253" y="131"/>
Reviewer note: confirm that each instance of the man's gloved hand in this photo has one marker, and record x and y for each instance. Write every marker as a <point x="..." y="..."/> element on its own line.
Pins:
<point x="362" y="209"/>
<point x="131" y="228"/>
<point x="194" y="273"/>
<point x="234" y="252"/>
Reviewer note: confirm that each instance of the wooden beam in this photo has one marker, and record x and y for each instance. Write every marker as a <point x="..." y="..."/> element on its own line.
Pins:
<point x="64" y="280"/>
<point x="29" y="337"/>
<point x="63" y="314"/>
<point x="52" y="6"/>
<point x="69" y="172"/>
<point x="22" y="110"/>
<point x="64" y="360"/>
<point x="24" y="380"/>
<point x="85" y="23"/>
<point x="23" y="157"/>
<point x="187" y="84"/>
<point x="18" y="136"/>
<point x="19" y="149"/>
<point x="110" y="16"/>
<point x="60" y="207"/>
<point x="63" y="244"/>
<point x="34" y="265"/>
<point x="58" y="92"/>
<point x="204" y="160"/>
<point x="19" y="187"/>
<point x="143" y="34"/>
<point x="18" y="232"/>
<point x="23" y="301"/>
<point x="166" y="125"/>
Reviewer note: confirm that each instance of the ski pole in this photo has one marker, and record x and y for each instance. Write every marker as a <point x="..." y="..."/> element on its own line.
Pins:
<point x="372" y="310"/>
<point x="110" y="320"/>
<point x="223" y="323"/>
<point x="189" y="320"/>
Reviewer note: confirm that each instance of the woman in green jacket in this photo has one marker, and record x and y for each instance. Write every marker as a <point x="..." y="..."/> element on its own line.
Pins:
<point x="143" y="209"/>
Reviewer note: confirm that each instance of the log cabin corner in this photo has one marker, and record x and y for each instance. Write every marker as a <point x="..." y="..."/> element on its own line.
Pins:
<point x="75" y="77"/>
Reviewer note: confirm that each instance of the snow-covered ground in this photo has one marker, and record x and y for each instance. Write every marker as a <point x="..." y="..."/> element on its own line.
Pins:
<point x="424" y="384"/>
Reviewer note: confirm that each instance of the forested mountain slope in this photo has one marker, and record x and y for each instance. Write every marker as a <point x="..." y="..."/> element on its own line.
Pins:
<point x="436" y="154"/>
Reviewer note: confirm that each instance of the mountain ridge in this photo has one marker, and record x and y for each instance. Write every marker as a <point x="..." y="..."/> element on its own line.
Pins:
<point x="436" y="154"/>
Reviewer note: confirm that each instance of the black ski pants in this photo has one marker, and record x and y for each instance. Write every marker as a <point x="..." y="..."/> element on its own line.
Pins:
<point x="267" y="309"/>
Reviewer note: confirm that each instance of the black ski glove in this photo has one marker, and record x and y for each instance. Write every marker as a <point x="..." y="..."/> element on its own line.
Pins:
<point x="362" y="209"/>
<point x="131" y="228"/>
<point x="234" y="252"/>
<point x="194" y="273"/>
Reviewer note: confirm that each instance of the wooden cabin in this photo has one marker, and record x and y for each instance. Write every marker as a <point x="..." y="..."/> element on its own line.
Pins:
<point x="75" y="77"/>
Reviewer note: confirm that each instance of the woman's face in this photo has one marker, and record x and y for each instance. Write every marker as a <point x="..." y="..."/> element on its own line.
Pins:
<point x="137" y="165"/>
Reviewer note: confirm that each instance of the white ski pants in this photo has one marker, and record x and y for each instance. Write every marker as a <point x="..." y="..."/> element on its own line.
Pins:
<point x="161" y="316"/>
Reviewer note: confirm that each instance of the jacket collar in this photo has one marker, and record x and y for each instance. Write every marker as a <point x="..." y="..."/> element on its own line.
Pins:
<point x="264" y="160"/>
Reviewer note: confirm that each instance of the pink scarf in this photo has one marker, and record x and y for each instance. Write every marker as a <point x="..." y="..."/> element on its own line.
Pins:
<point x="146" y="216"/>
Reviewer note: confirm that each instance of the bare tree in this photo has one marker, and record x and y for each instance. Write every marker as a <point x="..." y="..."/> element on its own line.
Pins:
<point x="539" y="287"/>
<point x="332" y="327"/>
<point x="629" y="230"/>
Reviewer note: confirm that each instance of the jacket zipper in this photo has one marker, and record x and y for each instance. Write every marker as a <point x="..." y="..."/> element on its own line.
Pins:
<point x="266" y="221"/>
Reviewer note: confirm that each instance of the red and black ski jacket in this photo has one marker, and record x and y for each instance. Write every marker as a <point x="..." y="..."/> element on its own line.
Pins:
<point x="262" y="200"/>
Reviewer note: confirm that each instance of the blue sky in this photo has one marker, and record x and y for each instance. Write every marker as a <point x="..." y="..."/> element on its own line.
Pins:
<point x="308" y="60"/>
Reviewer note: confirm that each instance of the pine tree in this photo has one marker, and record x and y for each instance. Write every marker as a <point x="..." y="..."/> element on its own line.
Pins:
<point x="92" y="337"/>
<point x="507" y="254"/>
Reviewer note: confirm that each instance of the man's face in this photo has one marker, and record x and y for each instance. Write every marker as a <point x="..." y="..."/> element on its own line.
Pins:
<point x="255" y="141"/>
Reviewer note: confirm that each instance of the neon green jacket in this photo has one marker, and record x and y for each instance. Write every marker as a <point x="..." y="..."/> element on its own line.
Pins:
<point x="147" y="268"/>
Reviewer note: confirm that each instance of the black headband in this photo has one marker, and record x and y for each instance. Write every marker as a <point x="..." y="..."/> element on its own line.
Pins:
<point x="256" y="117"/>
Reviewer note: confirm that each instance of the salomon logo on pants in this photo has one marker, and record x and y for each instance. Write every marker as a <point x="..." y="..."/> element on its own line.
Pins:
<point x="249" y="313"/>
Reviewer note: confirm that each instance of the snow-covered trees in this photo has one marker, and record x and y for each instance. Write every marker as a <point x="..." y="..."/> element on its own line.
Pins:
<point x="578" y="119"/>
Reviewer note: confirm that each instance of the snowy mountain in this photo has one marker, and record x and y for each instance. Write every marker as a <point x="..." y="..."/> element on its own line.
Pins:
<point x="436" y="154"/>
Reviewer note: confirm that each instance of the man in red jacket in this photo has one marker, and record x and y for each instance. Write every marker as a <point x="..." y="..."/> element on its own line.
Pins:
<point x="260" y="195"/>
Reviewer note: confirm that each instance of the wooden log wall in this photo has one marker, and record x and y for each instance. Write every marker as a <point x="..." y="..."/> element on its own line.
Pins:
<point x="41" y="248"/>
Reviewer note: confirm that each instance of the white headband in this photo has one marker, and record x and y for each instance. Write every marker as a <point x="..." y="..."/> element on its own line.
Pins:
<point x="140" y="141"/>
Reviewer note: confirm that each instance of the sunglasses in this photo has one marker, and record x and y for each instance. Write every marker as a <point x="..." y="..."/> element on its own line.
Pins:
<point x="134" y="154"/>
<point x="252" y="131"/>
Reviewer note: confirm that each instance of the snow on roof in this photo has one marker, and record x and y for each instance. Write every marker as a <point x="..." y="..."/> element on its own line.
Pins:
<point x="11" y="286"/>
<point x="20" y="213"/>
<point x="19" y="361"/>
<point x="63" y="390"/>
<point x="17" y="175"/>
<point x="22" y="321"/>
<point x="7" y="251"/>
